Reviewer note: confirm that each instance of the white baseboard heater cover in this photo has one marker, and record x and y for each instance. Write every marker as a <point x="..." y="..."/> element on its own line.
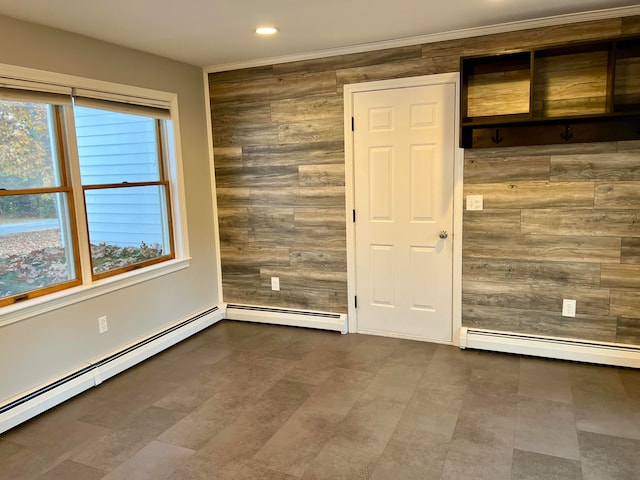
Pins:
<point x="36" y="401"/>
<point x="551" y="347"/>
<point x="288" y="317"/>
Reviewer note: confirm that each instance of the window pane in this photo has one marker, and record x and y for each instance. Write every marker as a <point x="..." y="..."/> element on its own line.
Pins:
<point x="27" y="151"/>
<point x="35" y="244"/>
<point x="126" y="226"/>
<point x="116" y="147"/>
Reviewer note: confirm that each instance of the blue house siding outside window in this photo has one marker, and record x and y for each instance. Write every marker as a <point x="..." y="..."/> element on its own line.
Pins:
<point x="114" y="148"/>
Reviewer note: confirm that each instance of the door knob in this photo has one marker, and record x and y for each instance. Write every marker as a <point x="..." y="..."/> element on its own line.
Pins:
<point x="444" y="234"/>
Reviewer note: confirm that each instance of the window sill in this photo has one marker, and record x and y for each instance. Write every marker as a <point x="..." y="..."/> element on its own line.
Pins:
<point x="37" y="306"/>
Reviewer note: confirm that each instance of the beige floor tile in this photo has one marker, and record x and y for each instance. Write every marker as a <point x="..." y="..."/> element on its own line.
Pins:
<point x="156" y="461"/>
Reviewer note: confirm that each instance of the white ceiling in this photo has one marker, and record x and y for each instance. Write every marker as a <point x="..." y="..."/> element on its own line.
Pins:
<point x="219" y="32"/>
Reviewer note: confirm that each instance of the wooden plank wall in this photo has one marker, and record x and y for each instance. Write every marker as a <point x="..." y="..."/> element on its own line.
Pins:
<point x="279" y="164"/>
<point x="559" y="222"/>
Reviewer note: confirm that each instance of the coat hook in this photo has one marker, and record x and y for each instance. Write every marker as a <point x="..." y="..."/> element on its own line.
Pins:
<point x="497" y="138"/>
<point x="567" y="134"/>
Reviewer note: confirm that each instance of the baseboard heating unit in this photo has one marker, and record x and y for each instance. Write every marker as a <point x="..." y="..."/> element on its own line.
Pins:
<point x="289" y="317"/>
<point x="30" y="404"/>
<point x="551" y="347"/>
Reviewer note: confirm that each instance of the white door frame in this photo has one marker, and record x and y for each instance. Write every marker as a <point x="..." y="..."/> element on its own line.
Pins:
<point x="349" y="91"/>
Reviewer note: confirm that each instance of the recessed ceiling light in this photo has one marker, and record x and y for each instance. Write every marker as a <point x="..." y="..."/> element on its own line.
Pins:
<point x="266" y="30"/>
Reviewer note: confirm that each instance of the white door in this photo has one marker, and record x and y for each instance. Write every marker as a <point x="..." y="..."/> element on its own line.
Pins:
<point x="404" y="156"/>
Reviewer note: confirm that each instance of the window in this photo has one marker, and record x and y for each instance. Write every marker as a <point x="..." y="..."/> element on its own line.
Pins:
<point x="124" y="185"/>
<point x="55" y="148"/>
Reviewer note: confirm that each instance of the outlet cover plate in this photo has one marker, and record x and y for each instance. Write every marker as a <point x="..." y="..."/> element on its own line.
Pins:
<point x="568" y="308"/>
<point x="475" y="202"/>
<point x="103" y="326"/>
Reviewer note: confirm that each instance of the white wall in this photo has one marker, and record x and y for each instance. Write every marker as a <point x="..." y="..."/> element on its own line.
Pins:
<point x="38" y="349"/>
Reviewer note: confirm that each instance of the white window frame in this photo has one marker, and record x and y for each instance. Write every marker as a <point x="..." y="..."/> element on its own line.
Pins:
<point x="119" y="93"/>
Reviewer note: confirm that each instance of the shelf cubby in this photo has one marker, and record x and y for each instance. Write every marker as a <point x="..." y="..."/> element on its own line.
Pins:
<point x="576" y="92"/>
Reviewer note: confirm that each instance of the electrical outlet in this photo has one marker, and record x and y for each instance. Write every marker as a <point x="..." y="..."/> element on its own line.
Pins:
<point x="568" y="308"/>
<point x="474" y="202"/>
<point x="103" y="326"/>
<point x="275" y="284"/>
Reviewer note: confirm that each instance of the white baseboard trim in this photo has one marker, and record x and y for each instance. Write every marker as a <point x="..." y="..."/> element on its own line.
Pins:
<point x="615" y="354"/>
<point x="32" y="403"/>
<point x="289" y="317"/>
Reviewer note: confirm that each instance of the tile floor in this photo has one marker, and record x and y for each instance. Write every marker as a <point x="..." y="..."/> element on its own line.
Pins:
<point x="249" y="401"/>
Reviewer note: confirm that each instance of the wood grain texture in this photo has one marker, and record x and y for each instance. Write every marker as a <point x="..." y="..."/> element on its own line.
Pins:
<point x="255" y="217"/>
<point x="291" y="278"/>
<point x="233" y="197"/>
<point x="597" y="167"/>
<point x="517" y="272"/>
<point x="275" y="197"/>
<point x="625" y="304"/>
<point x="501" y="93"/>
<point x="630" y="250"/>
<point x="618" y="195"/>
<point x="236" y="114"/>
<point x="522" y="39"/>
<point x="329" y="196"/>
<point x="386" y="71"/>
<point x="621" y="276"/>
<point x="297" y="85"/>
<point x="503" y="169"/>
<point x="490" y="221"/>
<point x="255" y="177"/>
<point x="227" y="156"/>
<point x="537" y="150"/>
<point x="253" y="293"/>
<point x="253" y="257"/>
<point x="245" y="89"/>
<point x="551" y="274"/>
<point x="323" y="129"/>
<point x="631" y="25"/>
<point x="353" y="60"/>
<point x="559" y="248"/>
<point x="338" y="302"/>
<point x="308" y="108"/>
<point x="247" y="134"/>
<point x="334" y="260"/>
<point x="571" y="221"/>
<point x="628" y="146"/>
<point x="240" y="77"/>
<point x="571" y="84"/>
<point x="314" y="153"/>
<point x="586" y="327"/>
<point x="301" y="238"/>
<point x="321" y="175"/>
<point x="234" y="235"/>
<point x="320" y="217"/>
<point x="533" y="194"/>
<point x="628" y="331"/>
<point x="523" y="296"/>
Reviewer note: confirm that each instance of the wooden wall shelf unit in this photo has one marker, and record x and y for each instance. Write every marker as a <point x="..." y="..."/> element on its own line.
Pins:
<point x="571" y="93"/>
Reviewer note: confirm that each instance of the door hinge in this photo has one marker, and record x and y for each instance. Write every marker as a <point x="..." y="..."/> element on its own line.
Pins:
<point x="354" y="215"/>
<point x="355" y="300"/>
<point x="353" y="124"/>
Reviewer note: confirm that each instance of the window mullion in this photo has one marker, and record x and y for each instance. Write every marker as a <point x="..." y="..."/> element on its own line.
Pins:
<point x="33" y="191"/>
<point x="102" y="186"/>
<point x="80" y="211"/>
